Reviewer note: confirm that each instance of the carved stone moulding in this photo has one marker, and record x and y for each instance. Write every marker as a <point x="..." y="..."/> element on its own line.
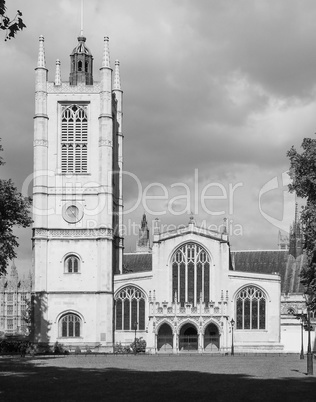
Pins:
<point x="107" y="143"/>
<point x="81" y="87"/>
<point x="74" y="233"/>
<point x="42" y="143"/>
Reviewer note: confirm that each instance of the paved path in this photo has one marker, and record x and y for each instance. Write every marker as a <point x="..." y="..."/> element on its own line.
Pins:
<point x="156" y="378"/>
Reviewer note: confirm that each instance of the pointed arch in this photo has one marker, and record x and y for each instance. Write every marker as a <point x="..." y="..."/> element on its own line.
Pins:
<point x="251" y="308"/>
<point x="130" y="308"/>
<point x="185" y="322"/>
<point x="165" y="337"/>
<point x="163" y="322"/>
<point x="70" y="324"/>
<point x="191" y="268"/>
<point x="74" y="139"/>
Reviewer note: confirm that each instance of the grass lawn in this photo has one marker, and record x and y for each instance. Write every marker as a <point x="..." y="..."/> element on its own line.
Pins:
<point x="156" y="378"/>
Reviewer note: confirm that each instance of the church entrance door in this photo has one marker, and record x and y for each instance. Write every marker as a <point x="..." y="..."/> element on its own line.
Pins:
<point x="165" y="339"/>
<point x="211" y="338"/>
<point x="188" y="338"/>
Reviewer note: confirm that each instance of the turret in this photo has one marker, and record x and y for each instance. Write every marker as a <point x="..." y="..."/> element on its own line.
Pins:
<point x="81" y="64"/>
<point x="57" y="73"/>
<point x="40" y="138"/>
<point x="118" y="93"/>
<point x="143" y="244"/>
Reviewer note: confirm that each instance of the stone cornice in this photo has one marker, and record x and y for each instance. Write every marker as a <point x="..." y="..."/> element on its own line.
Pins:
<point x="93" y="234"/>
<point x="65" y="87"/>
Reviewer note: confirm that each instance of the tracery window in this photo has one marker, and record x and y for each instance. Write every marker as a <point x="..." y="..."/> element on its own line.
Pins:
<point x="191" y="274"/>
<point x="251" y="308"/>
<point x="10" y="324"/>
<point x="72" y="264"/>
<point x="10" y="309"/>
<point x="70" y="326"/>
<point x="10" y="296"/>
<point x="74" y="139"/>
<point x="130" y="309"/>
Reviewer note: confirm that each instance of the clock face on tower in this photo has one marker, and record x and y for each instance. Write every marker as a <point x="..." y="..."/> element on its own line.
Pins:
<point x="72" y="213"/>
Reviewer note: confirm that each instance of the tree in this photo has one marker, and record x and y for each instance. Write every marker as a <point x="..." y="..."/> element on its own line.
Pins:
<point x="303" y="175"/>
<point x="14" y="211"/>
<point x="11" y="27"/>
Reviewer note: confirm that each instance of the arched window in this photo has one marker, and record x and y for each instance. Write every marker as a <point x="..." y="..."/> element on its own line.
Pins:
<point x="130" y="309"/>
<point x="250" y="308"/>
<point x="191" y="274"/>
<point x="74" y="139"/>
<point x="72" y="264"/>
<point x="70" y="326"/>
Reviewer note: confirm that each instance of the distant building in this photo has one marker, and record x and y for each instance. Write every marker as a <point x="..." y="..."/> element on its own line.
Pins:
<point x="143" y="244"/>
<point x="284" y="242"/>
<point x="15" y="293"/>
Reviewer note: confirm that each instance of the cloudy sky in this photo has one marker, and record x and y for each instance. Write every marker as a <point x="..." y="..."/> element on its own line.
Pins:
<point x="215" y="93"/>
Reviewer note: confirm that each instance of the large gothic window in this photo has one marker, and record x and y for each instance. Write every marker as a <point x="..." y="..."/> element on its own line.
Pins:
<point x="250" y="308"/>
<point x="74" y="139"/>
<point x="130" y="309"/>
<point x="191" y="274"/>
<point x="70" y="326"/>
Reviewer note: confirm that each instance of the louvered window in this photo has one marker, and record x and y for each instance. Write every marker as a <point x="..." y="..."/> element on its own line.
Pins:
<point x="74" y="139"/>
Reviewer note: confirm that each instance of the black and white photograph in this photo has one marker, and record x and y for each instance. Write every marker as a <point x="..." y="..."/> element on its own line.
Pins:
<point x="157" y="200"/>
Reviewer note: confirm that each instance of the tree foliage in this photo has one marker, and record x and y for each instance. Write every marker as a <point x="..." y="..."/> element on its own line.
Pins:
<point x="10" y="26"/>
<point x="14" y="211"/>
<point x="303" y="175"/>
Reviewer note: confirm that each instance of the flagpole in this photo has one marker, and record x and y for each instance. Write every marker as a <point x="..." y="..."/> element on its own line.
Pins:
<point x="81" y="21"/>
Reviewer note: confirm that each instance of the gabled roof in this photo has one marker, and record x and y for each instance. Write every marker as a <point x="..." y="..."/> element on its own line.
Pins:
<point x="272" y="261"/>
<point x="259" y="261"/>
<point x="137" y="262"/>
<point x="191" y="229"/>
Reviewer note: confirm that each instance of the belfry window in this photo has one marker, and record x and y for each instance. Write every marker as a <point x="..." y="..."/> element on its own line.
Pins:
<point x="250" y="309"/>
<point x="130" y="309"/>
<point x="72" y="264"/>
<point x="70" y="326"/>
<point x="191" y="274"/>
<point x="74" y="139"/>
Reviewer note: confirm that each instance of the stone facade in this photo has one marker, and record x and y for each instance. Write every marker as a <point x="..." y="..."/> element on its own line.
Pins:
<point x="77" y="199"/>
<point x="15" y="298"/>
<point x="190" y="305"/>
<point x="186" y="292"/>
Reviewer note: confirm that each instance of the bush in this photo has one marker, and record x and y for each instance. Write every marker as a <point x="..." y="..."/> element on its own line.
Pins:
<point x="139" y="345"/>
<point x="13" y="346"/>
<point x="120" y="349"/>
<point x="135" y="347"/>
<point x="59" y="349"/>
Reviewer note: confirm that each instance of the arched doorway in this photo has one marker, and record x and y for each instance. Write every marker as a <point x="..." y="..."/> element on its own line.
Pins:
<point x="211" y="338"/>
<point x="165" y="339"/>
<point x="188" y="338"/>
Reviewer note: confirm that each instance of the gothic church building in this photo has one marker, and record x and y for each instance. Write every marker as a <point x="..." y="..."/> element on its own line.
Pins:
<point x="182" y="294"/>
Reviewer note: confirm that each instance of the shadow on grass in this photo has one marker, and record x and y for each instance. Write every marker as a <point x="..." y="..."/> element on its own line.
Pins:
<point x="27" y="380"/>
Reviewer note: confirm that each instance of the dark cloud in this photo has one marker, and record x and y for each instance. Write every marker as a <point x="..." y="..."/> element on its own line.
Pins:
<point x="224" y="87"/>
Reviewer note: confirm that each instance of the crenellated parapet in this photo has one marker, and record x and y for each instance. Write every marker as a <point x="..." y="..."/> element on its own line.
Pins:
<point x="177" y="314"/>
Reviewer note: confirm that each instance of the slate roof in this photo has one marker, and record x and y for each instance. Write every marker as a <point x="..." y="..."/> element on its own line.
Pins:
<point x="270" y="261"/>
<point x="259" y="261"/>
<point x="137" y="262"/>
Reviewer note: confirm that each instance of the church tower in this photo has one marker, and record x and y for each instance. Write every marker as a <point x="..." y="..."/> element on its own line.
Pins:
<point x="77" y="199"/>
<point x="143" y="243"/>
